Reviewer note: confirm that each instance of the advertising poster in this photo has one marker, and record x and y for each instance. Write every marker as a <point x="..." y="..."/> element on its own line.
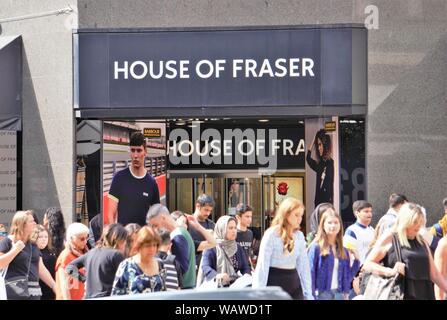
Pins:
<point x="322" y="164"/>
<point x="116" y="154"/>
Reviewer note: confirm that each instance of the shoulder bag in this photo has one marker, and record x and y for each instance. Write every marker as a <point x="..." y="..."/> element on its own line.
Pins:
<point x="3" y="295"/>
<point x="17" y="287"/>
<point x="386" y="288"/>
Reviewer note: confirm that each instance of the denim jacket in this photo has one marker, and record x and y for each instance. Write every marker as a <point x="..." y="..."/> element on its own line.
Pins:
<point x="322" y="267"/>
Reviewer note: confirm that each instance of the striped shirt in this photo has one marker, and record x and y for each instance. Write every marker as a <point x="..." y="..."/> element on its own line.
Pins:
<point x="172" y="282"/>
<point x="359" y="237"/>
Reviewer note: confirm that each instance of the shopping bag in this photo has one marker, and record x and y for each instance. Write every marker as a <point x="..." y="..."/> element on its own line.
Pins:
<point x="3" y="295"/>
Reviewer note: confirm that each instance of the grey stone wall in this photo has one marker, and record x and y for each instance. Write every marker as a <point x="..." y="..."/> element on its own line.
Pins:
<point x="47" y="102"/>
<point x="406" y="131"/>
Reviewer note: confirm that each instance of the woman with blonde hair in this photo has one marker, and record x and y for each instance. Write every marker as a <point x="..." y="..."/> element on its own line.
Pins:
<point x="282" y="259"/>
<point x="330" y="262"/>
<point x="22" y="258"/>
<point x="418" y="268"/>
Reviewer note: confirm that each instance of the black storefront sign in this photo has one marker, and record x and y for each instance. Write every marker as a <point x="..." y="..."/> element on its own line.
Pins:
<point x="11" y="83"/>
<point x="288" y="66"/>
<point x="219" y="147"/>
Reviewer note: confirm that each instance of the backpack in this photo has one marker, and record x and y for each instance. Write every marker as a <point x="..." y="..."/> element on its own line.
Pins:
<point x="172" y="267"/>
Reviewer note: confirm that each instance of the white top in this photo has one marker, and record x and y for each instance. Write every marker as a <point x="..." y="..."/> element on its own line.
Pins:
<point x="359" y="237"/>
<point x="334" y="282"/>
<point x="271" y="254"/>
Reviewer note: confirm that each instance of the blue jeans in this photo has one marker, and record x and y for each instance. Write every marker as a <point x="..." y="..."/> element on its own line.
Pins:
<point x="331" y="295"/>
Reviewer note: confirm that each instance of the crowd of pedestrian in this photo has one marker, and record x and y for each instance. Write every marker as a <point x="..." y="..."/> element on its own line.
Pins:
<point x="141" y="247"/>
<point x="175" y="251"/>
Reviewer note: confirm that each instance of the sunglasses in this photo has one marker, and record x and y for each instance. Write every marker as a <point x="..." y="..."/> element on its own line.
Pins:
<point x="3" y="234"/>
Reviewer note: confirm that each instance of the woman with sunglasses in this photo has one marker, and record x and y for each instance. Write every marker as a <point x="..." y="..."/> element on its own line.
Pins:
<point x="3" y="232"/>
<point x="68" y="288"/>
<point x="101" y="262"/>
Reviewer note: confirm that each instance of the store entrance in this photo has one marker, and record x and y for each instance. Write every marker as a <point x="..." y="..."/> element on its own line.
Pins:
<point x="263" y="193"/>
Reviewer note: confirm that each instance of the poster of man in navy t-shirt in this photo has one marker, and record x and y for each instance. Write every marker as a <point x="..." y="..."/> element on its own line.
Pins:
<point x="133" y="189"/>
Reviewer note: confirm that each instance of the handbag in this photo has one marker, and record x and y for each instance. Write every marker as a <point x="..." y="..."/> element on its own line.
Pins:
<point x="386" y="288"/>
<point x="3" y="295"/>
<point x="17" y="287"/>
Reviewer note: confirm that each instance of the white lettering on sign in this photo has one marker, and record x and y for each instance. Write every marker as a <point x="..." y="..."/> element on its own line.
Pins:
<point x="206" y="69"/>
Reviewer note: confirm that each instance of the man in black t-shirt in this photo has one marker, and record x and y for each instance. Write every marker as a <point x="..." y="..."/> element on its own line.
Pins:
<point x="244" y="215"/>
<point x="133" y="189"/>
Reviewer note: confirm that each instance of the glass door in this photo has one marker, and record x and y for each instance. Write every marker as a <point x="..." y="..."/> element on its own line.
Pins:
<point x="277" y="188"/>
<point x="263" y="194"/>
<point x="214" y="187"/>
<point x="246" y="191"/>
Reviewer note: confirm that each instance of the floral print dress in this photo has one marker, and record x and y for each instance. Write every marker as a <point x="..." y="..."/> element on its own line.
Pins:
<point x="130" y="279"/>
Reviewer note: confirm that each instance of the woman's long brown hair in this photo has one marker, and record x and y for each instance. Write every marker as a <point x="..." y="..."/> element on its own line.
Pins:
<point x="322" y="239"/>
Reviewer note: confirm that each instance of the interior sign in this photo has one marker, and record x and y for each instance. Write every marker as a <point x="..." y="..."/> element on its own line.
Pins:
<point x="330" y="126"/>
<point x="152" y="132"/>
<point x="240" y="147"/>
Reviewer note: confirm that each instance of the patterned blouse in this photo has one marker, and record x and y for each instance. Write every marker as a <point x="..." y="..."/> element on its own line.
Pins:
<point x="130" y="279"/>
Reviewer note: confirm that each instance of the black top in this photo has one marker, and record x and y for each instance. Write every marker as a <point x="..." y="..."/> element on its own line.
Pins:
<point x="49" y="260"/>
<point x="417" y="283"/>
<point x="95" y="230"/>
<point x="197" y="237"/>
<point x="18" y="267"/>
<point x="134" y="195"/>
<point x="245" y="239"/>
<point x="324" y="188"/>
<point x="100" y="268"/>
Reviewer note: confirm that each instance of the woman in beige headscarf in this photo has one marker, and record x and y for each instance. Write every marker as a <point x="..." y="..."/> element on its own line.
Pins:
<point x="223" y="262"/>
